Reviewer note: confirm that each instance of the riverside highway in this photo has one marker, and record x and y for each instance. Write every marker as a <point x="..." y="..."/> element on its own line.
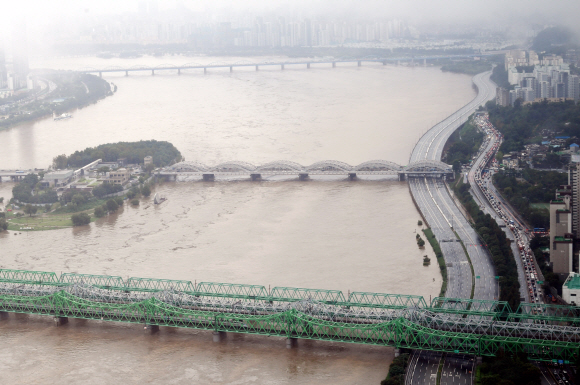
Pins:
<point x="444" y="217"/>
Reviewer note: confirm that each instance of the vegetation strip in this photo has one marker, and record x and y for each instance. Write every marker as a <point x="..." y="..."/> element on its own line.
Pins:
<point x="497" y="243"/>
<point x="440" y="260"/>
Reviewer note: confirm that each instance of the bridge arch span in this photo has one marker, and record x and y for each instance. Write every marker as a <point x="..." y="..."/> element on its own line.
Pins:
<point x="234" y="166"/>
<point x="329" y="165"/>
<point x="113" y="68"/>
<point x="281" y="165"/>
<point x="165" y="65"/>
<point x="378" y="165"/>
<point x="88" y="69"/>
<point x="188" y="166"/>
<point x="191" y="64"/>
<point x="139" y="67"/>
<point x="428" y="165"/>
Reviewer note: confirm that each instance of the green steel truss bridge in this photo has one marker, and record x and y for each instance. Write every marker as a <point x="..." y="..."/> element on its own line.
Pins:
<point x="475" y="327"/>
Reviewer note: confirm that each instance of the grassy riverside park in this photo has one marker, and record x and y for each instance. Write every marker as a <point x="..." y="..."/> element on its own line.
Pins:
<point x="56" y="219"/>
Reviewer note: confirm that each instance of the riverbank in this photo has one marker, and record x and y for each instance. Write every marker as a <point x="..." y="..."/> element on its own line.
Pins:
<point x="68" y="92"/>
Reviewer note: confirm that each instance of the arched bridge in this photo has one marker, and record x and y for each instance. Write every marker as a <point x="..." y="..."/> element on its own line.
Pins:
<point x="423" y="168"/>
<point x="454" y="325"/>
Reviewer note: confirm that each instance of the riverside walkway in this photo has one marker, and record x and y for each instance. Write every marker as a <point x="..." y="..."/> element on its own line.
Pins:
<point x="477" y="327"/>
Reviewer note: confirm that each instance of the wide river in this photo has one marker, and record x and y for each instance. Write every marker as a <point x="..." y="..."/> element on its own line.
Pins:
<point x="327" y="234"/>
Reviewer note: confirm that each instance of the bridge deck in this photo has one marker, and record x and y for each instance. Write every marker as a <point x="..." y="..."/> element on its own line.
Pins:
<point x="449" y="325"/>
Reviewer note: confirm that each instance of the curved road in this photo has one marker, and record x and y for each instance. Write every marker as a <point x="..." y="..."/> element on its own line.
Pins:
<point x="444" y="217"/>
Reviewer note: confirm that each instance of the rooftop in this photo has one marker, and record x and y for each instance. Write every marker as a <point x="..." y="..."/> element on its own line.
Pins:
<point x="573" y="281"/>
<point x="562" y="239"/>
<point x="59" y="174"/>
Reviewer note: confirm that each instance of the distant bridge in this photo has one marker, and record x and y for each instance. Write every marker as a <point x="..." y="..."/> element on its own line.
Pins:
<point x="282" y="64"/>
<point x="465" y="326"/>
<point x="423" y="168"/>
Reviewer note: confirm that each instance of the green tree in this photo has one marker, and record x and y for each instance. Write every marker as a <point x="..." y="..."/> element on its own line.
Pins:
<point x="1" y="199"/>
<point x="146" y="190"/>
<point x="103" y="170"/>
<point x="119" y="201"/>
<point x="47" y="207"/>
<point x="59" y="162"/>
<point x="419" y="223"/>
<point x="80" y="219"/>
<point x="30" y="209"/>
<point x="99" y="212"/>
<point x="456" y="166"/>
<point x="3" y="224"/>
<point x="150" y="167"/>
<point x="78" y="199"/>
<point x="112" y="206"/>
<point x="135" y="202"/>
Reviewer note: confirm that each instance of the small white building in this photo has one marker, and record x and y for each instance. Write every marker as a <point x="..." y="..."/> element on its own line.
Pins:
<point x="57" y="178"/>
<point x="571" y="289"/>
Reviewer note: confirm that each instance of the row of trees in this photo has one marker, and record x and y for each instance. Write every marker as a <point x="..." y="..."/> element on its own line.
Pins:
<point x="396" y="375"/>
<point x="463" y="143"/>
<point x="530" y="186"/>
<point x="23" y="191"/>
<point x="497" y="244"/>
<point x="162" y="152"/>
<point x="523" y="125"/>
<point x="472" y="67"/>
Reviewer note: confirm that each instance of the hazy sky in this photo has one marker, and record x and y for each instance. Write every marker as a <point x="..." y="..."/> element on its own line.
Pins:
<point x="431" y="9"/>
<point x="516" y="12"/>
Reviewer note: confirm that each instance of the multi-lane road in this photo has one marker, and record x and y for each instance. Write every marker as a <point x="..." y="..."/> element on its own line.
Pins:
<point x="445" y="219"/>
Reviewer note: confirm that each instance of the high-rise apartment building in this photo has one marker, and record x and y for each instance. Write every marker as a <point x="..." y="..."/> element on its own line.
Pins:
<point x="20" y="67"/>
<point x="561" y="230"/>
<point x="3" y="72"/>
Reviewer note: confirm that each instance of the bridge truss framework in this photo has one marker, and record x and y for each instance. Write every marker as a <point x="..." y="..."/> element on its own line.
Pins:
<point x="477" y="327"/>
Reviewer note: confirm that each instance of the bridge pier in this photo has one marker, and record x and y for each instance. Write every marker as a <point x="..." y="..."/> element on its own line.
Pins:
<point x="303" y="176"/>
<point x="218" y="336"/>
<point x="208" y="177"/>
<point x="333" y="64"/>
<point x="401" y="176"/>
<point x="152" y="72"/>
<point x="179" y="71"/>
<point x="291" y="343"/>
<point x="256" y="177"/>
<point x="352" y="175"/>
<point x="100" y="74"/>
<point x="424" y="62"/>
<point x="126" y="73"/>
<point x="256" y="68"/>
<point x="204" y="70"/>
<point x="359" y="63"/>
<point x="282" y="66"/>
<point x="384" y="62"/>
<point x="231" y="69"/>
<point x="307" y="65"/>
<point x="59" y="321"/>
<point x="152" y="328"/>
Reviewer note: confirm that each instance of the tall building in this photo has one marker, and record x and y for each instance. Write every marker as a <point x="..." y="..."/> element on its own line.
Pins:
<point x="20" y="67"/>
<point x="502" y="97"/>
<point x="3" y="72"/>
<point x="574" y="87"/>
<point x="561" y="230"/>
